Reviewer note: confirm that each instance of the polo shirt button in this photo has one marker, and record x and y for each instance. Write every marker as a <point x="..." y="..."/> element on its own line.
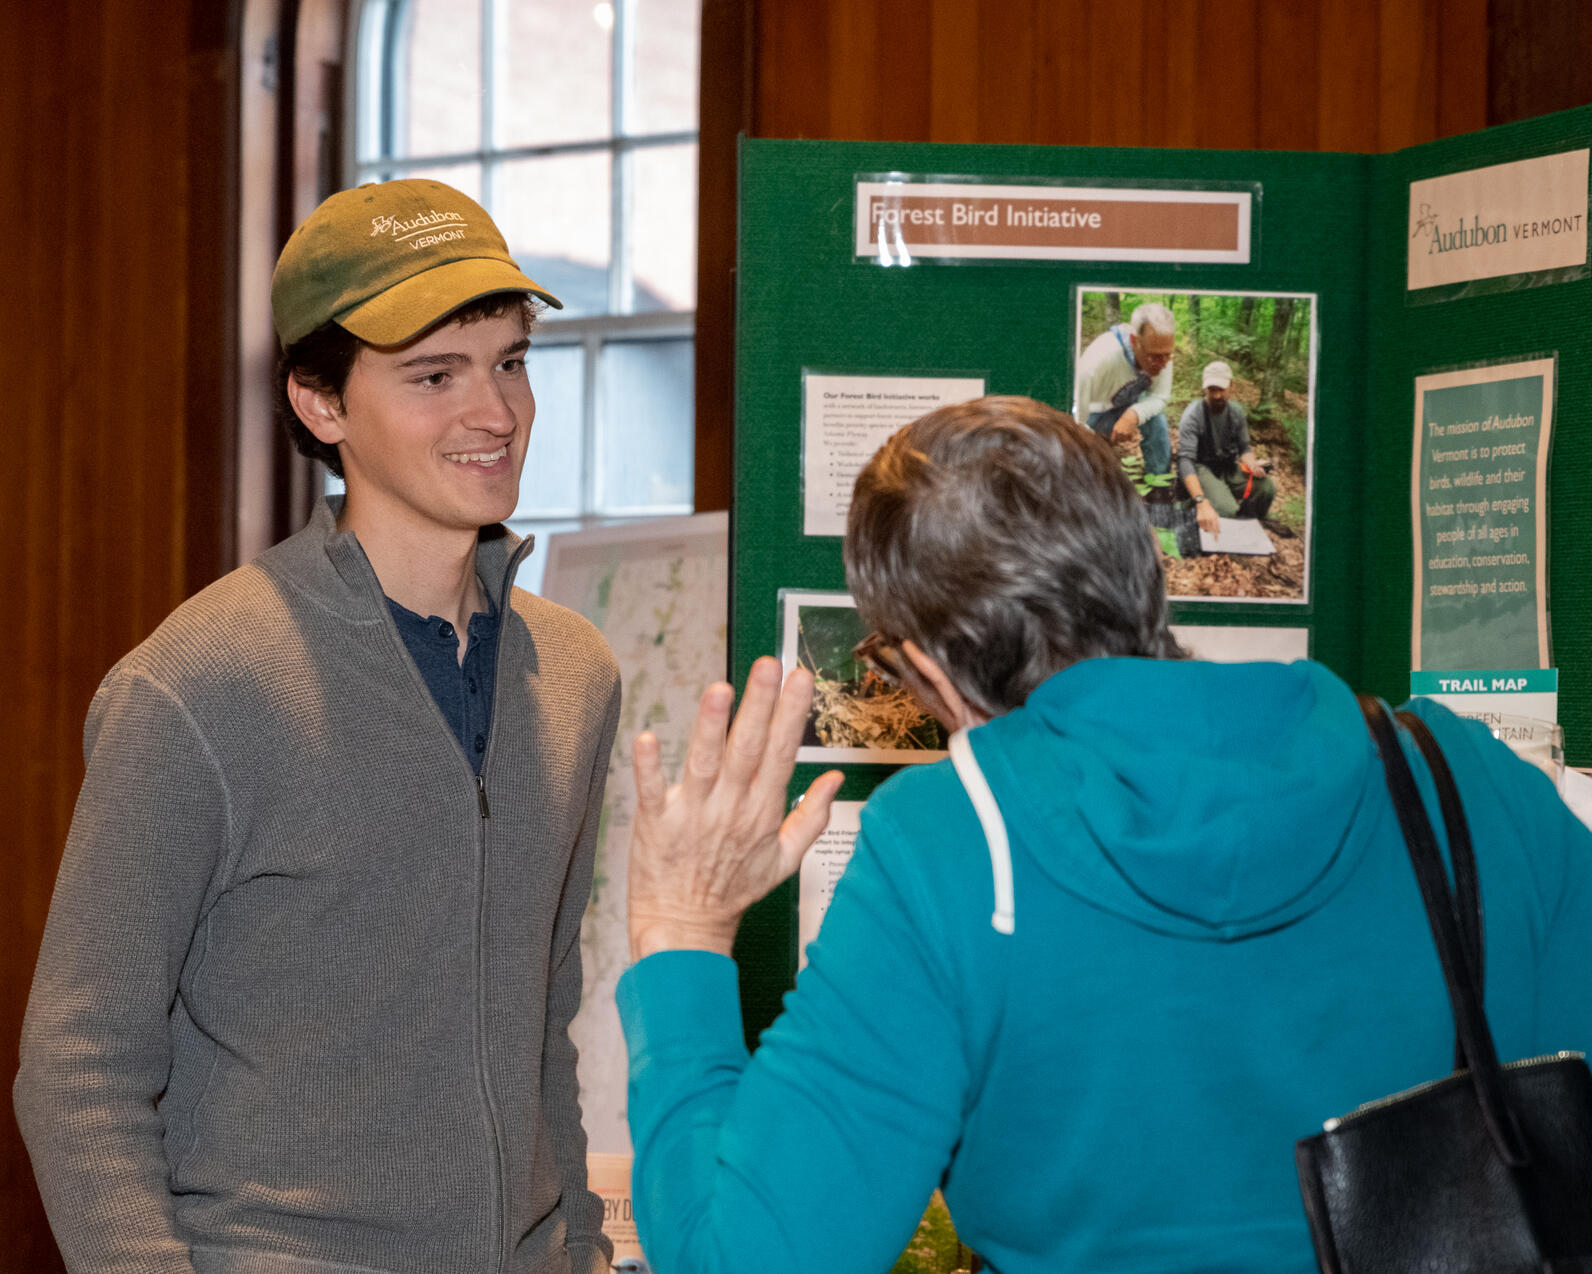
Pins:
<point x="444" y="630"/>
<point x="480" y="743"/>
<point x="472" y="685"/>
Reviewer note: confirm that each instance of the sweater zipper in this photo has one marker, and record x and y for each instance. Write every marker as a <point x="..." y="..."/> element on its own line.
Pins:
<point x="494" y="1131"/>
<point x="484" y="825"/>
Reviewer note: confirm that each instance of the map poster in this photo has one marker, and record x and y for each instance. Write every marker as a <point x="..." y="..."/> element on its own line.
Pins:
<point x="1479" y="480"/>
<point x="659" y="592"/>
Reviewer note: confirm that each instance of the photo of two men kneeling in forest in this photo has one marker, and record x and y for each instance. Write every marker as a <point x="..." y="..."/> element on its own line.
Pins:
<point x="1209" y="400"/>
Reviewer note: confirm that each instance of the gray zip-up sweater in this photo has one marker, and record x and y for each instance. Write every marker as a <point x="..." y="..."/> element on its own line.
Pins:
<point x="303" y="996"/>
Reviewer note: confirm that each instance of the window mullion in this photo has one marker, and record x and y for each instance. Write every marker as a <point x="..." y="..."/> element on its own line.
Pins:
<point x="491" y="14"/>
<point x="591" y="348"/>
<point x="621" y="53"/>
<point x="395" y="48"/>
<point x="621" y="277"/>
<point x="372" y="81"/>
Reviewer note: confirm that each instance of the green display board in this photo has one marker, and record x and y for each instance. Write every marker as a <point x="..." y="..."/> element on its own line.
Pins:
<point x="1326" y="278"/>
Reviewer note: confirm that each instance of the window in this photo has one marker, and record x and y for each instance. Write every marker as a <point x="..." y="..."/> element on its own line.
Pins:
<point x="575" y="125"/>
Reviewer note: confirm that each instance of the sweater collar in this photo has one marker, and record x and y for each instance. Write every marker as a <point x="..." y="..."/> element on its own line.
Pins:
<point x="498" y="555"/>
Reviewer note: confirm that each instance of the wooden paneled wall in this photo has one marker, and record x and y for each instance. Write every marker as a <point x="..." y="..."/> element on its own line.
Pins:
<point x="1355" y="75"/>
<point x="1303" y="75"/>
<point x="115" y="257"/>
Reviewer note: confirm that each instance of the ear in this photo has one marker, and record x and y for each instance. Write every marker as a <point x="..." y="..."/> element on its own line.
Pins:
<point x="960" y="714"/>
<point x="321" y="413"/>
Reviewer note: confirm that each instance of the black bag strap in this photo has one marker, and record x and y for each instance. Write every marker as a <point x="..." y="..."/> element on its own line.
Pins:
<point x="1473" y="1038"/>
<point x="1461" y="854"/>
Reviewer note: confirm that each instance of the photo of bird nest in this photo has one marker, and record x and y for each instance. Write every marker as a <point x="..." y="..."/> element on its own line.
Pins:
<point x="870" y="712"/>
<point x="857" y="714"/>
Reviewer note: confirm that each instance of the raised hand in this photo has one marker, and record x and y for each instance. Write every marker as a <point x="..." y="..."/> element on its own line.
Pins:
<point x="707" y="848"/>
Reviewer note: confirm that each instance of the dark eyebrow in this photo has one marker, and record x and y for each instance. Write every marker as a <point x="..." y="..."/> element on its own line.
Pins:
<point x="455" y="359"/>
<point x="435" y="360"/>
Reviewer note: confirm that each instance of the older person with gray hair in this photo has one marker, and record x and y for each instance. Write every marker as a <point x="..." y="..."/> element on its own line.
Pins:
<point x="1067" y="976"/>
<point x="1124" y="379"/>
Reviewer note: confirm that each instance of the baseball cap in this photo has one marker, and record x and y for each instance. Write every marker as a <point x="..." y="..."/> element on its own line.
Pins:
<point x="387" y="260"/>
<point x="1218" y="374"/>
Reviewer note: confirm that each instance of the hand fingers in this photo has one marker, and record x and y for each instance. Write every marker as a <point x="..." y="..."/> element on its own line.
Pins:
<point x="705" y="753"/>
<point x="806" y="823"/>
<point x="749" y="732"/>
<point x="650" y="786"/>
<point x="785" y="737"/>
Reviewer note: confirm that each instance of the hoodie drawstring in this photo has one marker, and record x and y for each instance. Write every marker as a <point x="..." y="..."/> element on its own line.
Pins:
<point x="1004" y="919"/>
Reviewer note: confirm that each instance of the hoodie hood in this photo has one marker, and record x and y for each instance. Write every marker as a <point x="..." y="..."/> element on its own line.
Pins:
<point x="1202" y="800"/>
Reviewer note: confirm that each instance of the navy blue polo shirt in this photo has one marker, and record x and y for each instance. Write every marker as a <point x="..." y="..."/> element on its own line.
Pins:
<point x="463" y="691"/>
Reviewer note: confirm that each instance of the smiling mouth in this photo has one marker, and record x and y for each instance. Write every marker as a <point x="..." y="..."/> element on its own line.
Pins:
<point x="477" y="457"/>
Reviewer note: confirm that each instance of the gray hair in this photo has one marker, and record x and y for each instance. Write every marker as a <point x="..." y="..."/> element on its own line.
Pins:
<point x="1154" y="316"/>
<point x="1006" y="541"/>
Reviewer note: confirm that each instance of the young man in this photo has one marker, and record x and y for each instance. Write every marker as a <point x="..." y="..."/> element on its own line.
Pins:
<point x="1215" y="459"/>
<point x="302" y="1001"/>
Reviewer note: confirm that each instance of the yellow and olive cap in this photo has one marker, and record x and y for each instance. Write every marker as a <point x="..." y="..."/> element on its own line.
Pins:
<point x="387" y="260"/>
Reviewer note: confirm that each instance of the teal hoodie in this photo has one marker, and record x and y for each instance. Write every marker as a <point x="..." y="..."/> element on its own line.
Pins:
<point x="1215" y="944"/>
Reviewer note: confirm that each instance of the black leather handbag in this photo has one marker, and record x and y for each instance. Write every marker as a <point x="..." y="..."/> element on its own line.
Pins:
<point x="1488" y="1169"/>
